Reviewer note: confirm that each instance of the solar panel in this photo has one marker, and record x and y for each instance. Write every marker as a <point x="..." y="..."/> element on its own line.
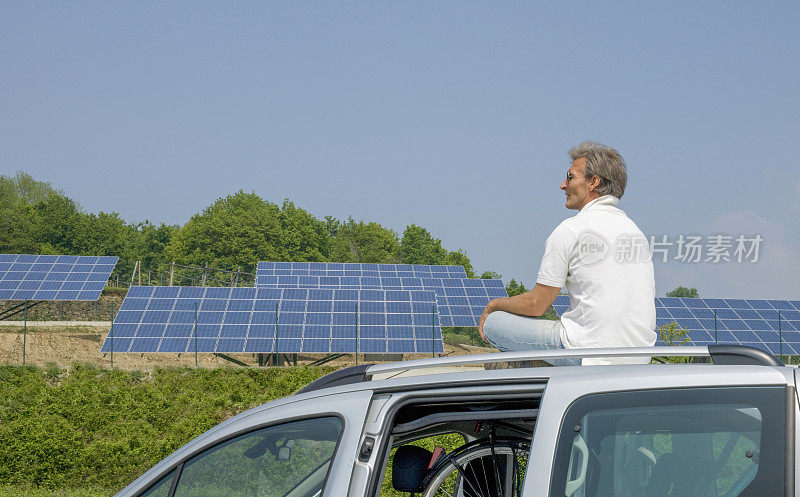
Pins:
<point x="265" y="269"/>
<point x="54" y="277"/>
<point x="317" y="320"/>
<point x="771" y="325"/>
<point x="460" y="300"/>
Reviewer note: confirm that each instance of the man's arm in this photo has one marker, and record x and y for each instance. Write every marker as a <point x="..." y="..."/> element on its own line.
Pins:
<point x="532" y="303"/>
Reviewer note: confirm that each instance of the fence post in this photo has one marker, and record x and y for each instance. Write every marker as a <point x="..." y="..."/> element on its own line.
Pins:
<point x="356" y="333"/>
<point x="25" y="333"/>
<point x="133" y="274"/>
<point x="195" y="334"/>
<point x="111" y="335"/>
<point x="204" y="275"/>
<point x="433" y="330"/>
<point x="171" y="272"/>
<point x="715" y="326"/>
<point x="275" y="340"/>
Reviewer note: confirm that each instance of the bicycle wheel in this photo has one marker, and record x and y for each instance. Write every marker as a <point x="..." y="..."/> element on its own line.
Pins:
<point x="481" y="470"/>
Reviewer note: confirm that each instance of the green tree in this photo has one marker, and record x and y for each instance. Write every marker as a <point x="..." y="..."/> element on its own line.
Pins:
<point x="22" y="186"/>
<point x="363" y="242"/>
<point x="238" y="230"/>
<point x="491" y="275"/>
<point x="459" y="258"/>
<point x="514" y="288"/>
<point x="304" y="237"/>
<point x="682" y="291"/>
<point x="60" y="223"/>
<point x="151" y="244"/>
<point x="332" y="226"/>
<point x="18" y="222"/>
<point x="107" y="234"/>
<point x="418" y="247"/>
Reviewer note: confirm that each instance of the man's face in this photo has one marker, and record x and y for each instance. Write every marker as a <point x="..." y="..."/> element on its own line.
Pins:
<point x="576" y="186"/>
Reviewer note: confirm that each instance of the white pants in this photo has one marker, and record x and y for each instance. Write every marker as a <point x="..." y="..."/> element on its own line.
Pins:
<point x="510" y="332"/>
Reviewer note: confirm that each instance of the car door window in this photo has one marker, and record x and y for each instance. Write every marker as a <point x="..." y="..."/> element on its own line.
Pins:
<point x="161" y="488"/>
<point x="289" y="459"/>
<point x="716" y="442"/>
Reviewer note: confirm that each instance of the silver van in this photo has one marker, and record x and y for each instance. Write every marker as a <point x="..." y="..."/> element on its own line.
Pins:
<point x="722" y="425"/>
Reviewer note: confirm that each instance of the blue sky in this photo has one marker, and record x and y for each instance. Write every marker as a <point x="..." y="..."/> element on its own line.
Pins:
<point x="456" y="116"/>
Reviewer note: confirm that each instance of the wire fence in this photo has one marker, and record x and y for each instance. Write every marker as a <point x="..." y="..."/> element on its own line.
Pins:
<point x="175" y="274"/>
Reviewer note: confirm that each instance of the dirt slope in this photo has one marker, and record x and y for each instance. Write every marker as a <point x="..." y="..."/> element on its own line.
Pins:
<point x="67" y="345"/>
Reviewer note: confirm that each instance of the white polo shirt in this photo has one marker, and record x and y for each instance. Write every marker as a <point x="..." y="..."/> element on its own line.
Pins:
<point x="604" y="260"/>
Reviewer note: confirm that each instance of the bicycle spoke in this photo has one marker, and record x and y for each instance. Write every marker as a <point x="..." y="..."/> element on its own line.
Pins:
<point x="474" y="471"/>
<point x="465" y="479"/>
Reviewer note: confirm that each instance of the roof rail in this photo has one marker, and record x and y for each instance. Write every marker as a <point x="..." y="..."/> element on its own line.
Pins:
<point x="740" y="354"/>
<point x="720" y="354"/>
<point x="345" y="376"/>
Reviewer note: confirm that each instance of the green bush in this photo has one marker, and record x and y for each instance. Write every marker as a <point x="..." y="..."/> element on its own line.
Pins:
<point x="88" y="427"/>
<point x="674" y="336"/>
<point x="463" y="335"/>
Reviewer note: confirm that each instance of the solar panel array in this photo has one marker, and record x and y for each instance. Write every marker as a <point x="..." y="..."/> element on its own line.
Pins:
<point x="357" y="269"/>
<point x="755" y="323"/>
<point x="54" y="277"/>
<point x="162" y="319"/>
<point x="460" y="300"/>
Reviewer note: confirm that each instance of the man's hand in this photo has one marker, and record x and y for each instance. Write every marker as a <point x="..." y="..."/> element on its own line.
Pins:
<point x="484" y="315"/>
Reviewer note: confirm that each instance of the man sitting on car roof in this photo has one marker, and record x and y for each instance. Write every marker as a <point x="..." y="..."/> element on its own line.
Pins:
<point x="602" y="258"/>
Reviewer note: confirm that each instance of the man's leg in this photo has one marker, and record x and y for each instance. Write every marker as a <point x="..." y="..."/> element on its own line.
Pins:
<point x="510" y="332"/>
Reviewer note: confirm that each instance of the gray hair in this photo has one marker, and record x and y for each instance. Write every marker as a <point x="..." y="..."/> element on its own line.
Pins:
<point x="604" y="162"/>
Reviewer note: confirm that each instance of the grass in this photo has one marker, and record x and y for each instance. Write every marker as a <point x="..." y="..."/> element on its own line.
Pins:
<point x="94" y="430"/>
<point x="62" y="492"/>
<point x="119" y="291"/>
<point x="463" y="336"/>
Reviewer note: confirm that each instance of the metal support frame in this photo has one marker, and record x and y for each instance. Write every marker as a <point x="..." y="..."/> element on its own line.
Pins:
<point x="231" y="359"/>
<point x="328" y="358"/>
<point x="276" y="359"/>
<point x="13" y="311"/>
